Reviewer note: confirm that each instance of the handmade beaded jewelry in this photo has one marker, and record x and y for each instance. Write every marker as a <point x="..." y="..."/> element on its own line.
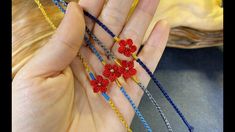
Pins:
<point x="112" y="69"/>
<point x="102" y="83"/>
<point x="148" y="71"/>
<point x="113" y="57"/>
<point x="128" y="72"/>
<point x="113" y="74"/>
<point x="91" y="75"/>
<point x="127" y="51"/>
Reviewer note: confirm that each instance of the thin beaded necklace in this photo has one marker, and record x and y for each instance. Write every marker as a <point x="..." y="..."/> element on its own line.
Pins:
<point x="148" y="71"/>
<point x="91" y="75"/>
<point x="155" y="80"/>
<point x="135" y="79"/>
<point x="105" y="95"/>
<point x="94" y="50"/>
<point x="113" y="57"/>
<point x="122" y="89"/>
<point x="135" y="108"/>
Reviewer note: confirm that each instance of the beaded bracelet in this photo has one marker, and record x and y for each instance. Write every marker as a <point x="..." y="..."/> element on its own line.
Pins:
<point x="101" y="85"/>
<point x="113" y="57"/>
<point x="129" y="51"/>
<point x="91" y="75"/>
<point x="112" y="72"/>
<point x="138" y="113"/>
<point x="139" y="83"/>
<point x="144" y="66"/>
<point x="127" y="48"/>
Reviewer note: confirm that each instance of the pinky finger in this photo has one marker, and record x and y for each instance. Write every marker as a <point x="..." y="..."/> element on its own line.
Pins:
<point x="153" y="49"/>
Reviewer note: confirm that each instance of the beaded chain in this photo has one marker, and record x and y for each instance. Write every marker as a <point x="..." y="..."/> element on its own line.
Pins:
<point x="91" y="75"/>
<point x="130" y="52"/>
<point x="138" y="113"/>
<point x="160" y="86"/>
<point x="133" y="55"/>
<point x="107" y="98"/>
<point x="121" y="49"/>
<point x="113" y="57"/>
<point x="139" y="83"/>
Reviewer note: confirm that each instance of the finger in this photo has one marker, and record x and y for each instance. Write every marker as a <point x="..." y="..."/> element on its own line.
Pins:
<point x="113" y="15"/>
<point x="62" y="48"/>
<point x="153" y="49"/>
<point x="137" y="24"/>
<point x="94" y="7"/>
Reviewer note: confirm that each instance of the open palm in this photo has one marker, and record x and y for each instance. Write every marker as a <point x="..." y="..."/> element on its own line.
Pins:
<point x="52" y="91"/>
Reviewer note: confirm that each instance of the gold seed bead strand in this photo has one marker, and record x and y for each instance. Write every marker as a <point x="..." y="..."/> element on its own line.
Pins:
<point x="121" y="118"/>
<point x="40" y="6"/>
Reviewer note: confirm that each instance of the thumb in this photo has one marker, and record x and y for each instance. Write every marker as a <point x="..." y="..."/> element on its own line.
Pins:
<point x="62" y="48"/>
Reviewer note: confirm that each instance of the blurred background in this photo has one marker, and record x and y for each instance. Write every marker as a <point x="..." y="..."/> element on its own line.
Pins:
<point x="191" y="67"/>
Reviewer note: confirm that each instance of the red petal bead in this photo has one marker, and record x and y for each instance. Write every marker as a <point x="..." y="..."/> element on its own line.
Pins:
<point x="130" y="64"/>
<point x="106" y="73"/>
<point x="132" y="71"/>
<point x="112" y="78"/>
<point x="133" y="48"/>
<point x="124" y="63"/>
<point x="122" y="43"/>
<point x="95" y="89"/>
<point x="127" y="54"/>
<point x="103" y="89"/>
<point x="93" y="82"/>
<point x="99" y="78"/>
<point x="121" y="49"/>
<point x="125" y="76"/>
<point x="107" y="66"/>
<point x="105" y="82"/>
<point x="129" y="41"/>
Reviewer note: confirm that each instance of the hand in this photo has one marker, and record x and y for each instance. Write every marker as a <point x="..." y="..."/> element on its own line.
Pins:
<point x="51" y="93"/>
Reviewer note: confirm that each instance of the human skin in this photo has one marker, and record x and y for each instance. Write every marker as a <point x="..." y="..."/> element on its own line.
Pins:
<point x="52" y="92"/>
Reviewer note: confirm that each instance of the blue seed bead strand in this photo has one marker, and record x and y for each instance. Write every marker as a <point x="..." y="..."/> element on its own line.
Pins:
<point x="93" y="49"/>
<point x="136" y="110"/>
<point x="155" y="80"/>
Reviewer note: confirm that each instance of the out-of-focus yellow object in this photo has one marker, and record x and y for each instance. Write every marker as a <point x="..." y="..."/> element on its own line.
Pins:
<point x="204" y="15"/>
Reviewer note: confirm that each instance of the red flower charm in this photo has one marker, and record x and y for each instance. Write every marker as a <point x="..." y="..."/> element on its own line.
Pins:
<point x="111" y="72"/>
<point x="127" y="69"/>
<point x="126" y="47"/>
<point x="99" y="84"/>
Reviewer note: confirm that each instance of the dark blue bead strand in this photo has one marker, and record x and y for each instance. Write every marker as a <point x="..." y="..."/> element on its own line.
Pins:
<point x="99" y="23"/>
<point x="155" y="80"/>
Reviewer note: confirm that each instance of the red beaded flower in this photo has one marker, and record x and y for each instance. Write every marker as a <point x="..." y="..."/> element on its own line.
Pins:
<point x="99" y="84"/>
<point x="126" y="47"/>
<point x="111" y="72"/>
<point x="127" y="69"/>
